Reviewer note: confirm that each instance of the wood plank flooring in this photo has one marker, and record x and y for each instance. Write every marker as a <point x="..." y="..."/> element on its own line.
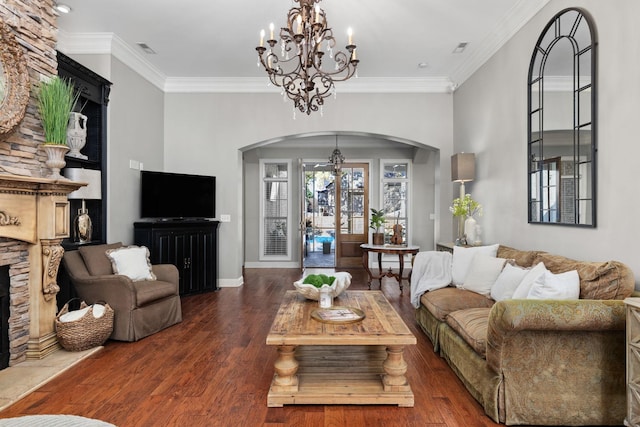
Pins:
<point x="214" y="369"/>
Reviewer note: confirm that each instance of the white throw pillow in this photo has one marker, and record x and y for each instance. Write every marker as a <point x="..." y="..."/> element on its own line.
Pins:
<point x="462" y="258"/>
<point x="507" y="282"/>
<point x="522" y="291"/>
<point x="556" y="286"/>
<point x="131" y="261"/>
<point x="483" y="273"/>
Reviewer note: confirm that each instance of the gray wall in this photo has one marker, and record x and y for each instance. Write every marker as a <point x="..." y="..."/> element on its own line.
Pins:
<point x="490" y="116"/>
<point x="206" y="133"/>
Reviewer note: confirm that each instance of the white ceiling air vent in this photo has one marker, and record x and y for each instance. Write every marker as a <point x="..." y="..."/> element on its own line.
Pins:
<point x="145" y="47"/>
<point x="461" y="47"/>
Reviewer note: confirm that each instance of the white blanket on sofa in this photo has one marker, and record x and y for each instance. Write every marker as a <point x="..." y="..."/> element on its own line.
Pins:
<point x="431" y="270"/>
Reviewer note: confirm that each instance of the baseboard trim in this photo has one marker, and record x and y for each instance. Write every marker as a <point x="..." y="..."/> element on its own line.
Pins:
<point x="231" y="283"/>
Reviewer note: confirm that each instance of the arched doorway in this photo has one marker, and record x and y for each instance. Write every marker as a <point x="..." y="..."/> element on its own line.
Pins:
<point x="299" y="154"/>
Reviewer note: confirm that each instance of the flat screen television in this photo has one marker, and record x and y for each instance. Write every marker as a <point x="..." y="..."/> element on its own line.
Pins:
<point x="165" y="195"/>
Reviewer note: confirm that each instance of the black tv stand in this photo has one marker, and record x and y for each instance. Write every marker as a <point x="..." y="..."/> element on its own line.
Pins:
<point x="188" y="243"/>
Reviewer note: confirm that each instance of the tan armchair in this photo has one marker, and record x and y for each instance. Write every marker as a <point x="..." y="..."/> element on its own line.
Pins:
<point x="141" y="308"/>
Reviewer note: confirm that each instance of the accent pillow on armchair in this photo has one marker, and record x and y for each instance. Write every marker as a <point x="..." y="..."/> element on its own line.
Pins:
<point x="131" y="261"/>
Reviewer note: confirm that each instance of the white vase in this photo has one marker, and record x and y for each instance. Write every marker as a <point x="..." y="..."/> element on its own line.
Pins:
<point x="77" y="135"/>
<point x="470" y="225"/>
<point x="55" y="158"/>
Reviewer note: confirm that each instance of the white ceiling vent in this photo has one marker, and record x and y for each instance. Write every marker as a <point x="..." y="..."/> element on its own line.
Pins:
<point x="145" y="47"/>
<point x="461" y="47"/>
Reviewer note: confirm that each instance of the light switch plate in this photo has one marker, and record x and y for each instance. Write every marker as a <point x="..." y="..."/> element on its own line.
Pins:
<point x="225" y="218"/>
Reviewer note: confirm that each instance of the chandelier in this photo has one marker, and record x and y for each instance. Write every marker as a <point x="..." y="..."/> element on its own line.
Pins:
<point x="299" y="69"/>
<point x="336" y="159"/>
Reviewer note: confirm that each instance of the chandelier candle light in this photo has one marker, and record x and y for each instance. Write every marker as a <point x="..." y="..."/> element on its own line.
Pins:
<point x="299" y="67"/>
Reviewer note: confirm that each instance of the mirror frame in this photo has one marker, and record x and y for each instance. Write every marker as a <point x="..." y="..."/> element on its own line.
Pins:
<point x="16" y="76"/>
<point x="536" y="160"/>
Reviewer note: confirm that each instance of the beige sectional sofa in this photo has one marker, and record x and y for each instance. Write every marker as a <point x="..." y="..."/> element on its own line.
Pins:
<point x="538" y="362"/>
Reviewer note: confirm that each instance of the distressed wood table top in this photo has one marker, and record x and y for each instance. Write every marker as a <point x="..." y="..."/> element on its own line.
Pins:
<point x="382" y="325"/>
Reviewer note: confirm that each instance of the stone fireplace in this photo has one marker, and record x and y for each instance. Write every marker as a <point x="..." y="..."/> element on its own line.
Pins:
<point x="34" y="211"/>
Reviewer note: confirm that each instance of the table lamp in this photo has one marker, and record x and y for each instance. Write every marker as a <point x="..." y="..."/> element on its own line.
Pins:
<point x="82" y="226"/>
<point x="463" y="169"/>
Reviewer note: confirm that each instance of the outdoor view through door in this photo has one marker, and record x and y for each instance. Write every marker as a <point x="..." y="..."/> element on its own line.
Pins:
<point x="325" y="243"/>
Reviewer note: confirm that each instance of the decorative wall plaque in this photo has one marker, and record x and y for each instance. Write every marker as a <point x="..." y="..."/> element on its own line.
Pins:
<point x="14" y="82"/>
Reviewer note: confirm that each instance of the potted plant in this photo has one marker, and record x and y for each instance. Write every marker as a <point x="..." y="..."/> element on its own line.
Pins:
<point x="56" y="100"/>
<point x="376" y="221"/>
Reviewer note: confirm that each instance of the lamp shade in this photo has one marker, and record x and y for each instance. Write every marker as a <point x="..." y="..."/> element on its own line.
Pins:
<point x="93" y="178"/>
<point x="463" y="167"/>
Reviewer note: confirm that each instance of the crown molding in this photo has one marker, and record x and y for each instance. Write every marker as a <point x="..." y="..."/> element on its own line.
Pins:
<point x="262" y="85"/>
<point x="520" y="13"/>
<point x="111" y="44"/>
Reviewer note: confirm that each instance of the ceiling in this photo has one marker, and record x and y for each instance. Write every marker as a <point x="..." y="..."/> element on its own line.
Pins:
<point x="207" y="42"/>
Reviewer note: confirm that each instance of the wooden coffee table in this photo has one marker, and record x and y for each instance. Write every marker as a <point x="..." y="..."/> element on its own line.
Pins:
<point x="340" y="363"/>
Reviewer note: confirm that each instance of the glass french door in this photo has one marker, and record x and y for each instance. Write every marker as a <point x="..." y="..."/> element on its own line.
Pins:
<point x="352" y="208"/>
<point x="318" y="216"/>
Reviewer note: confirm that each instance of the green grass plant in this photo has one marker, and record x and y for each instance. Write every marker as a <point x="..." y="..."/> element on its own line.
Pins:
<point x="56" y="99"/>
<point x="318" y="280"/>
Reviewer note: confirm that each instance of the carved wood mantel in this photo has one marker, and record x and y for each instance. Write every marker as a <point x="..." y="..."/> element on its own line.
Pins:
<point x="36" y="211"/>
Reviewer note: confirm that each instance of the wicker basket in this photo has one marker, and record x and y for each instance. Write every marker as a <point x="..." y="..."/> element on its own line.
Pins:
<point x="87" y="331"/>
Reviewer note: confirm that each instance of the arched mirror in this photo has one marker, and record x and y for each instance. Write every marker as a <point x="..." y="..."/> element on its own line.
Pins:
<point x="562" y="122"/>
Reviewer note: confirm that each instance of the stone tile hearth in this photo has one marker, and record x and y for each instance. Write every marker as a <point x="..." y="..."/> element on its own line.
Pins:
<point x="18" y="381"/>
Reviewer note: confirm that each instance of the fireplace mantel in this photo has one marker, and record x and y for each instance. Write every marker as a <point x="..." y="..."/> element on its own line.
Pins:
<point x="36" y="211"/>
<point x="34" y="208"/>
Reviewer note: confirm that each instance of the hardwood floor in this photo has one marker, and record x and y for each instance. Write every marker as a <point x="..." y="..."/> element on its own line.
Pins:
<point x="214" y="369"/>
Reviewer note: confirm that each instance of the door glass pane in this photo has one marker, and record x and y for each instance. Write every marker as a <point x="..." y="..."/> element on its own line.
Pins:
<point x="352" y="201"/>
<point x="275" y="170"/>
<point x="320" y="208"/>
<point x="395" y="207"/>
<point x="395" y="171"/>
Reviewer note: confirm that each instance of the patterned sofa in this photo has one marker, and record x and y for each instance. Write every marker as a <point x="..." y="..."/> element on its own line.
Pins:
<point x="538" y="362"/>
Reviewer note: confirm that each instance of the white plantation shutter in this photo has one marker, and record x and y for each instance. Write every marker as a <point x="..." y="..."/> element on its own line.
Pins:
<point x="276" y="212"/>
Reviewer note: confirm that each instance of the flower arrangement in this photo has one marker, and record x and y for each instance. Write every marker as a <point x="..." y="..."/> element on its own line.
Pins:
<point x="465" y="206"/>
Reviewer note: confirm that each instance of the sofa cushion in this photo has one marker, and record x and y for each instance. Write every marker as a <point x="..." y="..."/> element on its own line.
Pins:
<point x="482" y="274"/>
<point x="598" y="280"/>
<point x="462" y="258"/>
<point x="441" y="302"/>
<point x="95" y="258"/>
<point x="507" y="282"/>
<point x="471" y="325"/>
<point x="556" y="286"/>
<point x="148" y="291"/>
<point x="522" y="291"/>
